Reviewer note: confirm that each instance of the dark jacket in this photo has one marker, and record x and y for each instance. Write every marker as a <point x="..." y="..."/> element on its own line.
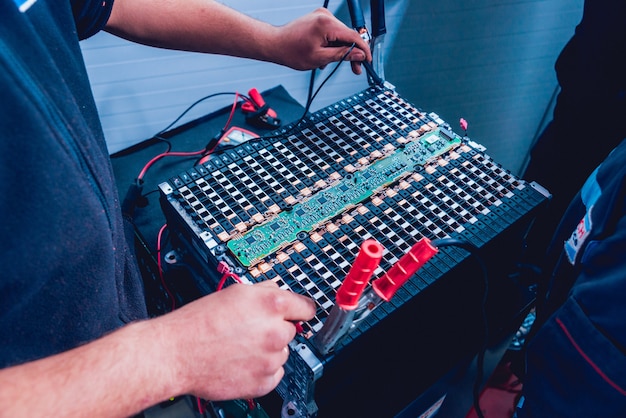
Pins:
<point x="68" y="275"/>
<point x="576" y="365"/>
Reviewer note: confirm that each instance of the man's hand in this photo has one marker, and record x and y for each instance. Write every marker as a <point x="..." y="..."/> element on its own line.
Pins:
<point x="318" y="39"/>
<point x="228" y="345"/>
<point x="233" y="344"/>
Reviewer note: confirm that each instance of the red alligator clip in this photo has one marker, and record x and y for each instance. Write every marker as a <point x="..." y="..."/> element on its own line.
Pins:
<point x="258" y="113"/>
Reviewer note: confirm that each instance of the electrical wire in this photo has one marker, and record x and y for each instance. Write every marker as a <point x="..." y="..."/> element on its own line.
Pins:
<point x="314" y="70"/>
<point x="310" y="98"/>
<point x="334" y="70"/>
<point x="205" y="151"/>
<point x="227" y="275"/>
<point x="200" y="407"/>
<point x="150" y="163"/>
<point x="160" y="266"/>
<point x="480" y="357"/>
<point x="191" y="106"/>
<point x="232" y="111"/>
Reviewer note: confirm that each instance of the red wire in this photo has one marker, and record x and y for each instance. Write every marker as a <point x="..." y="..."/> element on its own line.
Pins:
<point x="251" y="404"/>
<point x="167" y="154"/>
<point x="161" y="267"/>
<point x="200" y="407"/>
<point x="232" y="111"/>
<point x="225" y="277"/>
<point x="142" y="173"/>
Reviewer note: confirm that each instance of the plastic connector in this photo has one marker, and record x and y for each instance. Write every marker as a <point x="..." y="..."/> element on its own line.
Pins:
<point x="463" y="123"/>
<point x="210" y="146"/>
<point x="134" y="198"/>
<point x="359" y="275"/>
<point x="356" y="14"/>
<point x="223" y="268"/>
<point x="341" y="317"/>
<point x="387" y="286"/>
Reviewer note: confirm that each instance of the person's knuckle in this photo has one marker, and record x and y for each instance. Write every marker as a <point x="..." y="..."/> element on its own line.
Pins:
<point x="276" y="338"/>
<point x="268" y="365"/>
<point x="278" y="301"/>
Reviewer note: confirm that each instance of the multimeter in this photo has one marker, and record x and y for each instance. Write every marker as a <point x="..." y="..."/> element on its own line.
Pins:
<point x="236" y="136"/>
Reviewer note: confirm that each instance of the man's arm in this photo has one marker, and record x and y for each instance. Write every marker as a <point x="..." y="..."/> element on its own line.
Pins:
<point x="311" y="41"/>
<point x="227" y="345"/>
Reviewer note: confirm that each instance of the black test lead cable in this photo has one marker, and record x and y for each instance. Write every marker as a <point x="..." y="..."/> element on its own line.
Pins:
<point x="314" y="70"/>
<point x="357" y="19"/>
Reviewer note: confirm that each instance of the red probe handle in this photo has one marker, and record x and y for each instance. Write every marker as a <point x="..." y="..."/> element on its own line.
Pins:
<point x="418" y="255"/>
<point x="359" y="275"/>
<point x="258" y="99"/>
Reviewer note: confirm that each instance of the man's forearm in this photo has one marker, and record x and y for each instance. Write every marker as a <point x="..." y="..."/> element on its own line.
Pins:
<point x="311" y="41"/>
<point x="227" y="345"/>
<point x="193" y="25"/>
<point x="116" y="376"/>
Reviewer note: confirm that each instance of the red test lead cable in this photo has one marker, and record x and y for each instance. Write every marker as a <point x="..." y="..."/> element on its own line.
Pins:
<point x="384" y="288"/>
<point x="341" y="316"/>
<point x="387" y="286"/>
<point x="359" y="275"/>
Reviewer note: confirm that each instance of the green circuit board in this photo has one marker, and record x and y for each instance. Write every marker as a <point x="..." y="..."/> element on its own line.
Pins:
<point x="352" y="189"/>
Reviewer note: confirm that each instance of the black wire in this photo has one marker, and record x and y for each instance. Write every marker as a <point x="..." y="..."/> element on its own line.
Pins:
<point x="139" y="182"/>
<point x="212" y="409"/>
<point x="308" y="105"/>
<point x="210" y="96"/>
<point x="149" y="193"/>
<point x="309" y="101"/>
<point x="369" y="69"/>
<point x="309" y="95"/>
<point x="480" y="358"/>
<point x="160" y="138"/>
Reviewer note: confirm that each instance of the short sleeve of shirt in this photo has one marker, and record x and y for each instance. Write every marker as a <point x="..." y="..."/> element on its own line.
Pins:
<point x="91" y="16"/>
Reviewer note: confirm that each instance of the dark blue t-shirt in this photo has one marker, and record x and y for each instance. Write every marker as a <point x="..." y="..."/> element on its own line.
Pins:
<point x="68" y="275"/>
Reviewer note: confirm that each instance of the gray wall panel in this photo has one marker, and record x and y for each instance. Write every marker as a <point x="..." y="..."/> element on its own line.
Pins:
<point x="490" y="62"/>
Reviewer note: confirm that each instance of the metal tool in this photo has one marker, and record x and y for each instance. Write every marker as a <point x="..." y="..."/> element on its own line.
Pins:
<point x="352" y="305"/>
<point x="379" y="29"/>
<point x="341" y="316"/>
